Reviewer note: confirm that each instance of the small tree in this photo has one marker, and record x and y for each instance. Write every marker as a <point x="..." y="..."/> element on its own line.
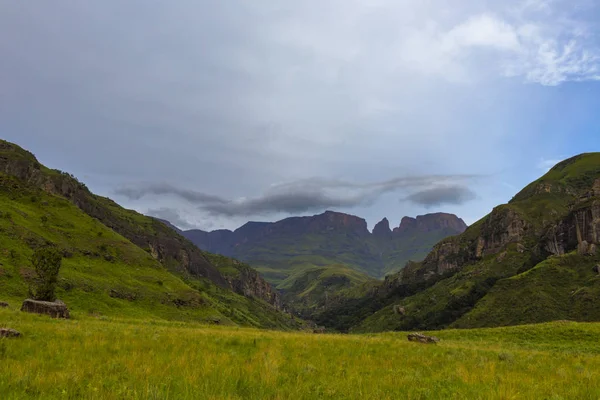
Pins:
<point x="47" y="262"/>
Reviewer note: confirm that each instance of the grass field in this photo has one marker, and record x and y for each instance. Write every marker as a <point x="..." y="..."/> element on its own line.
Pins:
<point x="103" y="358"/>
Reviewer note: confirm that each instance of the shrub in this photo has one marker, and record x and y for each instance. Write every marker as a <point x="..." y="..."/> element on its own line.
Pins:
<point x="47" y="262"/>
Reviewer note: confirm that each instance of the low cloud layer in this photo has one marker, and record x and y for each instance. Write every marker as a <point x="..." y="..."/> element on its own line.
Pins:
<point x="171" y="215"/>
<point x="311" y="195"/>
<point x="438" y="196"/>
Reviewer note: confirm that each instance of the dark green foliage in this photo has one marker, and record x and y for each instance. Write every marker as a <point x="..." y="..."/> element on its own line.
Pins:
<point x="46" y="262"/>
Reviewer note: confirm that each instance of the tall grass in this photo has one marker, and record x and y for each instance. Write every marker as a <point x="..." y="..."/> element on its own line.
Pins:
<point x="115" y="359"/>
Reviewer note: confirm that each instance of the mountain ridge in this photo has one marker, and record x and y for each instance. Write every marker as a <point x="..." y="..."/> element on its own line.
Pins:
<point x="256" y="302"/>
<point x="330" y="238"/>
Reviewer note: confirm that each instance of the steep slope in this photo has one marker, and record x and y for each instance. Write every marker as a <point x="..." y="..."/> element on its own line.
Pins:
<point x="287" y="247"/>
<point x="530" y="260"/>
<point x="311" y="292"/>
<point x="139" y="267"/>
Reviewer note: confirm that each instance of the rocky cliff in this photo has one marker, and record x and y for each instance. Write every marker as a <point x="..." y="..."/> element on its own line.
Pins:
<point x="329" y="238"/>
<point x="555" y="221"/>
<point x="162" y="241"/>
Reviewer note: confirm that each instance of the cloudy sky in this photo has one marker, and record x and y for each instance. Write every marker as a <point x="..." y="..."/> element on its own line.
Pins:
<point x="213" y="113"/>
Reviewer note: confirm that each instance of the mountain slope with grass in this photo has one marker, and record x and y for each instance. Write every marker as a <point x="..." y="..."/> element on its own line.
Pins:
<point x="116" y="261"/>
<point x="531" y="260"/>
<point x="288" y="247"/>
<point x="313" y="291"/>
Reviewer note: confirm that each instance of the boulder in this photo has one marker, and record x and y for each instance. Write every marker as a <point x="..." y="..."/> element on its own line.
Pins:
<point x="583" y="248"/>
<point x="419" y="337"/>
<point x="9" y="333"/>
<point x="319" y="329"/>
<point x="398" y="309"/>
<point x="4" y="304"/>
<point x="55" y="309"/>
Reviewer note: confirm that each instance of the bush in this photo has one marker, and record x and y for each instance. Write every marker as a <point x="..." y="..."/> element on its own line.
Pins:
<point x="47" y="262"/>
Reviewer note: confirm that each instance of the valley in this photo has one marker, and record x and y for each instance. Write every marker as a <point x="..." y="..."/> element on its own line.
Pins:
<point x="102" y="358"/>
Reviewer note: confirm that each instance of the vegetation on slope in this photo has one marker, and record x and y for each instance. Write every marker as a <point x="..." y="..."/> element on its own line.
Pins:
<point x="511" y="267"/>
<point x="103" y="272"/>
<point x="107" y="358"/>
<point x="311" y="291"/>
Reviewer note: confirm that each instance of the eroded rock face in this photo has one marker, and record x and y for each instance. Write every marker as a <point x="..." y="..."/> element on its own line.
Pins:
<point x="55" y="309"/>
<point x="250" y="284"/>
<point x="579" y="230"/>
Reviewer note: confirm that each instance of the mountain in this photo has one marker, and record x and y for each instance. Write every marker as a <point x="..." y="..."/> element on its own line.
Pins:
<point x="283" y="248"/>
<point x="117" y="262"/>
<point x="534" y="259"/>
<point x="313" y="291"/>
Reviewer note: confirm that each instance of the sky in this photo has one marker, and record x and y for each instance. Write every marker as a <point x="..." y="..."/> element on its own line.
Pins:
<point x="213" y="113"/>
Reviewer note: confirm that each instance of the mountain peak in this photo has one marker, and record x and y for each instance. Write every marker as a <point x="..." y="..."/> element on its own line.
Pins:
<point x="430" y="222"/>
<point x="382" y="228"/>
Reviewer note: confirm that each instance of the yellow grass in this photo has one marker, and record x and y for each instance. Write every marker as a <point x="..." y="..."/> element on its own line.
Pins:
<point x="119" y="359"/>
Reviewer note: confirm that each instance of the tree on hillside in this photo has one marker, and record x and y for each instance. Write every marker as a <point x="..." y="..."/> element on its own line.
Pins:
<point x="47" y="262"/>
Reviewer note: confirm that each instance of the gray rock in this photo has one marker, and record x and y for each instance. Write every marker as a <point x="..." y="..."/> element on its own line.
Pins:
<point x="9" y="333"/>
<point x="398" y="309"/>
<point x="55" y="309"/>
<point x="419" y="337"/>
<point x="4" y="304"/>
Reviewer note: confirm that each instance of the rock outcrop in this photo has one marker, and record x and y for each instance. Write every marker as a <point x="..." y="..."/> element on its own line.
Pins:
<point x="9" y="333"/>
<point x="55" y="309"/>
<point x="420" y="338"/>
<point x="431" y="222"/>
<point x="251" y="284"/>
<point x="382" y="229"/>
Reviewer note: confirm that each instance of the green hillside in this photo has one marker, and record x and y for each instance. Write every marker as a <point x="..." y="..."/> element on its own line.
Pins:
<point x="311" y="291"/>
<point x="104" y="273"/>
<point x="531" y="260"/>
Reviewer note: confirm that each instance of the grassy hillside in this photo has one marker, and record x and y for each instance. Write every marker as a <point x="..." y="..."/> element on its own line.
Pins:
<point x="106" y="273"/>
<point x="310" y="291"/>
<point x="103" y="273"/>
<point x="111" y="358"/>
<point x="559" y="288"/>
<point x="530" y="260"/>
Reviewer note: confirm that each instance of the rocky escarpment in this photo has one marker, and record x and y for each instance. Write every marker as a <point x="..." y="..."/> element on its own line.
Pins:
<point x="548" y="217"/>
<point x="491" y="235"/>
<point x="168" y="247"/>
<point x="429" y="223"/>
<point x="331" y="238"/>
<point x="579" y="230"/>
<point x="249" y="283"/>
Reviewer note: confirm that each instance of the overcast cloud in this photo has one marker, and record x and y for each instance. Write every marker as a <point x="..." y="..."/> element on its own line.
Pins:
<point x="224" y="111"/>
<point x="311" y="195"/>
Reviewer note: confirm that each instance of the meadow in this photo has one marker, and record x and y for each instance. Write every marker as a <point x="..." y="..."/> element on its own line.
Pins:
<point x="109" y="358"/>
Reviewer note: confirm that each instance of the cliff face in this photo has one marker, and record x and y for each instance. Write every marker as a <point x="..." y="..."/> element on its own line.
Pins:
<point x="250" y="283"/>
<point x="553" y="221"/>
<point x="431" y="222"/>
<point x="163" y="242"/>
<point x="382" y="229"/>
<point x="330" y="238"/>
